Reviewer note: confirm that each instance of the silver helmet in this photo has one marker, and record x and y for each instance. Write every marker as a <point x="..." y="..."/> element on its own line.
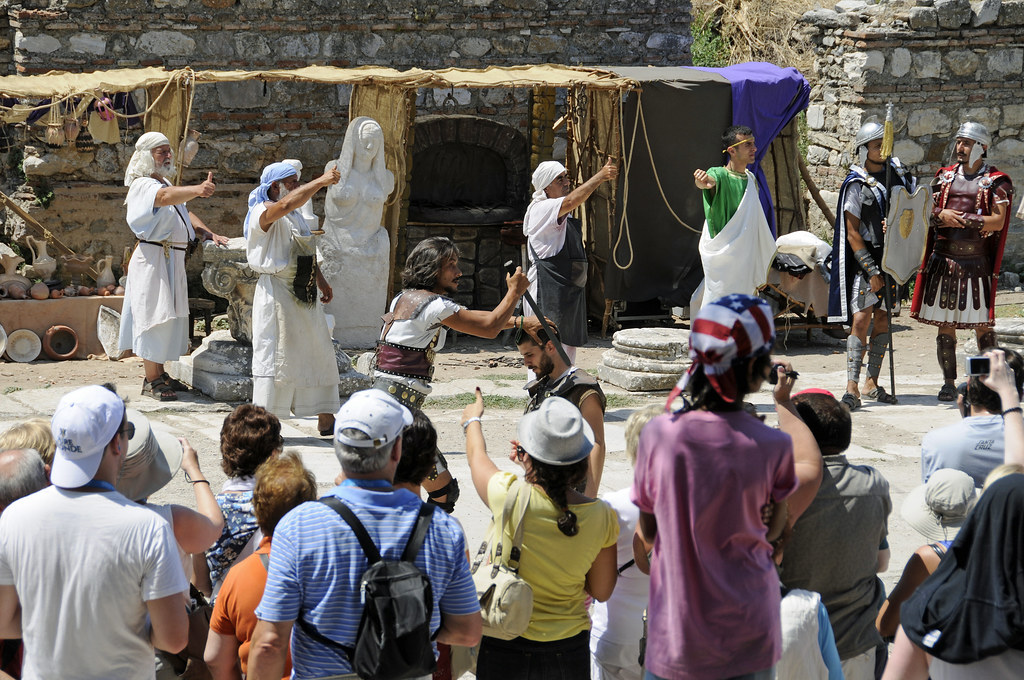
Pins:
<point x="976" y="131"/>
<point x="979" y="134"/>
<point x="869" y="131"/>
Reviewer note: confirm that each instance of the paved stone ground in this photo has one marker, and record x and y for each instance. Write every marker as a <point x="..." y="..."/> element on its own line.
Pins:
<point x="887" y="437"/>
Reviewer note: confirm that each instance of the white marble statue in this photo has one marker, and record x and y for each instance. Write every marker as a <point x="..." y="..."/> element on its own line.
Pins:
<point x="355" y="246"/>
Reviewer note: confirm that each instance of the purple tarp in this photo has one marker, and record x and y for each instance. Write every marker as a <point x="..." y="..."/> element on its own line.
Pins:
<point x="765" y="97"/>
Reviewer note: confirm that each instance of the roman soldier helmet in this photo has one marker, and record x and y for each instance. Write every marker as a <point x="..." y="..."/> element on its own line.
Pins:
<point x="869" y="131"/>
<point x="979" y="133"/>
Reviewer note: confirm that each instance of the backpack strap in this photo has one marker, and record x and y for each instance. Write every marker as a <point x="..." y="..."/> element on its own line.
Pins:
<point x="369" y="547"/>
<point x="522" y="500"/>
<point x="419" y="533"/>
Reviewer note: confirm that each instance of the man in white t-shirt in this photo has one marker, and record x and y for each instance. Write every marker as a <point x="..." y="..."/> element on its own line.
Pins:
<point x="89" y="579"/>
<point x="554" y="244"/>
<point x="415" y="328"/>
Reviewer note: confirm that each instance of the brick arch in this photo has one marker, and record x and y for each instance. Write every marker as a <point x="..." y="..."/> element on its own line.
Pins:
<point x="468" y="170"/>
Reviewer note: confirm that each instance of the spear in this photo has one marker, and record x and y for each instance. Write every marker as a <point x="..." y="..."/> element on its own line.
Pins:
<point x="887" y="140"/>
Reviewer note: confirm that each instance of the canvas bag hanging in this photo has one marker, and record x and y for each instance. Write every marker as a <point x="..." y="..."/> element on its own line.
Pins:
<point x="506" y="600"/>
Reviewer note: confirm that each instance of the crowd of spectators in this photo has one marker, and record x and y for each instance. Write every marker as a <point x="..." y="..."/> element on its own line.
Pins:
<point x="739" y="551"/>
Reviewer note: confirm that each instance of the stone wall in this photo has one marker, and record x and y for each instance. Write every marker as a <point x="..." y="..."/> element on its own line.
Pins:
<point x="246" y="125"/>
<point x="940" y="63"/>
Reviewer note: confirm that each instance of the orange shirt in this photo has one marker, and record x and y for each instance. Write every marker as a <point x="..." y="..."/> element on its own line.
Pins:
<point x="234" y="611"/>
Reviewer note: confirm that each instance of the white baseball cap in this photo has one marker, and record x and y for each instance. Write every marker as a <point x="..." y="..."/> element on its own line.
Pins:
<point x="83" y="424"/>
<point x="376" y="414"/>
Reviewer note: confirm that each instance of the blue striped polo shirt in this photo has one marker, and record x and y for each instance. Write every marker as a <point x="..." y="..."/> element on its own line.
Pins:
<point x="316" y="564"/>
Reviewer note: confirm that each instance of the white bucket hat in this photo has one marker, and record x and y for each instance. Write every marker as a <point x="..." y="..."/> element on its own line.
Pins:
<point x="556" y="433"/>
<point x="152" y="460"/>
<point x="938" y="508"/>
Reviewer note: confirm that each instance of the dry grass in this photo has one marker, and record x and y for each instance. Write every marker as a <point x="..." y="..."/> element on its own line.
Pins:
<point x="761" y="30"/>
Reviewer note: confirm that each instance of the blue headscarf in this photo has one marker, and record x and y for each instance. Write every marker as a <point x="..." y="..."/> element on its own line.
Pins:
<point x="275" y="172"/>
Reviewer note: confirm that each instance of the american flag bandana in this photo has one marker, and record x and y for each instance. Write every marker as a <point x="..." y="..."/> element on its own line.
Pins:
<point x="730" y="329"/>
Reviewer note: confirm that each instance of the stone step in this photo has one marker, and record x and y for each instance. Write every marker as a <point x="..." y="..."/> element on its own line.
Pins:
<point x="637" y="381"/>
<point x="613" y="358"/>
<point x="661" y="344"/>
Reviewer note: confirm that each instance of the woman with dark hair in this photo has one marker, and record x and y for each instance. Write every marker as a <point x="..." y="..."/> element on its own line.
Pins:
<point x="250" y="435"/>
<point x="569" y="541"/>
<point x="704" y="476"/>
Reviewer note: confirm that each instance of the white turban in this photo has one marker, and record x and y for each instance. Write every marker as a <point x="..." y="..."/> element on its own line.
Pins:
<point x="141" y="163"/>
<point x="295" y="163"/>
<point x="543" y="176"/>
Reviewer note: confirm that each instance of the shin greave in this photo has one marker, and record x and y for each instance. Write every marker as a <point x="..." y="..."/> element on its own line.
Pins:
<point x="876" y="352"/>
<point x="945" y="346"/>
<point x="854" y="358"/>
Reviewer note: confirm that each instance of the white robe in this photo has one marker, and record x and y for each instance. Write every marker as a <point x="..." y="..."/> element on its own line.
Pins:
<point x="294" y="367"/>
<point x="154" y="316"/>
<point x="738" y="258"/>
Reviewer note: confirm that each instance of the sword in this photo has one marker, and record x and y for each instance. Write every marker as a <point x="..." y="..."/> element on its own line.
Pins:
<point x="543" y="321"/>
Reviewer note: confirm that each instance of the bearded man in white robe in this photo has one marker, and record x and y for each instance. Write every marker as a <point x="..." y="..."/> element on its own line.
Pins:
<point x="294" y="368"/>
<point x="154" y="318"/>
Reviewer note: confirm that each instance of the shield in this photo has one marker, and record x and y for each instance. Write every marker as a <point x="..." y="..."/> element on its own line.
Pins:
<point x="906" y="232"/>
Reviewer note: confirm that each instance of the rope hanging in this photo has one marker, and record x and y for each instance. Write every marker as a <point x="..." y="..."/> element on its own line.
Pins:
<point x="623" y="219"/>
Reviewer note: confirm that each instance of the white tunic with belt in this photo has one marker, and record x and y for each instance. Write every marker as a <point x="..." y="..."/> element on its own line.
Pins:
<point x="294" y="368"/>
<point x="154" y="317"/>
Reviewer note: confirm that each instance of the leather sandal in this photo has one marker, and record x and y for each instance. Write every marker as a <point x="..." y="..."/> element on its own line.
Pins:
<point x="159" y="389"/>
<point x="947" y="393"/>
<point x="880" y="395"/>
<point x="176" y="385"/>
<point x="851" y="402"/>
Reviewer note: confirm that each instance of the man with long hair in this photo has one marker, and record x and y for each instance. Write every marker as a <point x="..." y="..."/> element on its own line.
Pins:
<point x="416" y="326"/>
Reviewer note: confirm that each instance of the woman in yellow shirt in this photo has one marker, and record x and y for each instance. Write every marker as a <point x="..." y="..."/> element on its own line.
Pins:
<point x="568" y="547"/>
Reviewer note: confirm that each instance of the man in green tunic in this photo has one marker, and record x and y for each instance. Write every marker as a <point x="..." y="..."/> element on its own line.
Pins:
<point x="723" y="186"/>
<point x="736" y="244"/>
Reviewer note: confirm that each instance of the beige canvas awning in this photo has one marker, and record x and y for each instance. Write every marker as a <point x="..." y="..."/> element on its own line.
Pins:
<point x="63" y="84"/>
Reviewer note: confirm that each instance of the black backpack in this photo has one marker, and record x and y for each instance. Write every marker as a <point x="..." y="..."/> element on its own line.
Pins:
<point x="393" y="640"/>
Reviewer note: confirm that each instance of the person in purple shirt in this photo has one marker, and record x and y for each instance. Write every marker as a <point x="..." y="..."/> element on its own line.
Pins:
<point x="705" y="476"/>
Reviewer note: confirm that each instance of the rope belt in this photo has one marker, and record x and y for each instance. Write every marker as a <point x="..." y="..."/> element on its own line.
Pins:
<point x="167" y="245"/>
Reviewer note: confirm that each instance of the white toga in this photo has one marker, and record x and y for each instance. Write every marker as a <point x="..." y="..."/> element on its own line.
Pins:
<point x="154" y="317"/>
<point x="294" y="367"/>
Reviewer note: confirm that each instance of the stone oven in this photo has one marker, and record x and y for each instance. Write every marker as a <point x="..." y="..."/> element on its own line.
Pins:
<point x="471" y="182"/>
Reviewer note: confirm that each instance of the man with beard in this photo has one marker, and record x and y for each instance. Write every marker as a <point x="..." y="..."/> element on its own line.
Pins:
<point x="154" y="318"/>
<point x="294" y="368"/>
<point x="415" y="328"/>
<point x="956" y="287"/>
<point x="557" y="379"/>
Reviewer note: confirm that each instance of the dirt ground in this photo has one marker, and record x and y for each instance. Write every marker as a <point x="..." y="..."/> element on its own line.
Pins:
<point x="468" y="357"/>
<point x="887" y="437"/>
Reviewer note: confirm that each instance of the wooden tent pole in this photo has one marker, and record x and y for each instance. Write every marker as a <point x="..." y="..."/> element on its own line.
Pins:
<point x="815" y="194"/>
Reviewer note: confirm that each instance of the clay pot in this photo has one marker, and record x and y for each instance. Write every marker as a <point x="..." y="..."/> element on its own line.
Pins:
<point x="71" y="291"/>
<point x="85" y="290"/>
<point x="16" y="290"/>
<point x="39" y="291"/>
<point x="119" y="290"/>
<point x="56" y="293"/>
<point x="60" y="343"/>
